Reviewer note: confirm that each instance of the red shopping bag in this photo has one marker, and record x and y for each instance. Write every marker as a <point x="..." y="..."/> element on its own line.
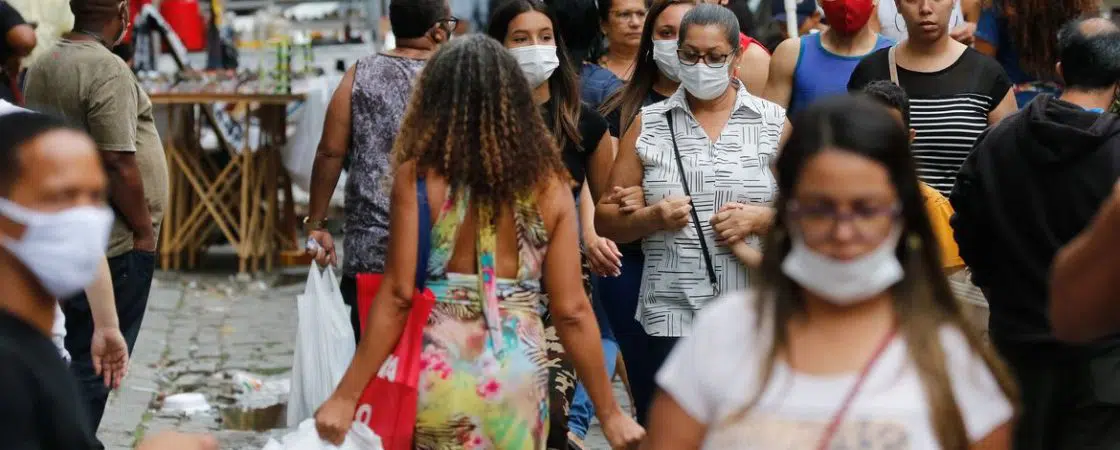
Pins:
<point x="388" y="404"/>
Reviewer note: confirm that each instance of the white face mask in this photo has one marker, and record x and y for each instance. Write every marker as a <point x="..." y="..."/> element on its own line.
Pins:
<point x="703" y="82"/>
<point x="62" y="249"/>
<point x="665" y="55"/>
<point x="537" y="61"/>
<point x="844" y="282"/>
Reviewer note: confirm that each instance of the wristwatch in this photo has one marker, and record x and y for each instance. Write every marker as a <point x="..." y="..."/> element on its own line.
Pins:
<point x="312" y="225"/>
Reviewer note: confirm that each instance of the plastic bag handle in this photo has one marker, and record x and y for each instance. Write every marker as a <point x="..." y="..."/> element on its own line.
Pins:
<point x="424" y="224"/>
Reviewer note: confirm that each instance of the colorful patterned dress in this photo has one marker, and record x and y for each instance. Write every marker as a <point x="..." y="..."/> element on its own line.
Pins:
<point x="484" y="380"/>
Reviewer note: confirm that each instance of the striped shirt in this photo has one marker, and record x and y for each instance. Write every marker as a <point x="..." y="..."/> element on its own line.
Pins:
<point x="734" y="168"/>
<point x="949" y="108"/>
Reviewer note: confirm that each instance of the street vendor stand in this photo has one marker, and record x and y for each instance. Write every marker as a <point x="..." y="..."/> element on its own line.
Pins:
<point x="238" y="200"/>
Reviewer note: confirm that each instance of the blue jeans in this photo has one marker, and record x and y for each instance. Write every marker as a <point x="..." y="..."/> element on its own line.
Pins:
<point x="581" y="412"/>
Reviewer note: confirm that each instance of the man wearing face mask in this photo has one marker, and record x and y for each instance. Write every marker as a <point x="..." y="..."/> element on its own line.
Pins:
<point x="806" y="68"/>
<point x="81" y="79"/>
<point x="1030" y="186"/>
<point x="54" y="225"/>
<point x="362" y="122"/>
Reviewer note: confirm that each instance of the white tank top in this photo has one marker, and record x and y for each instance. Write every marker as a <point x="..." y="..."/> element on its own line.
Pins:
<point x="895" y="28"/>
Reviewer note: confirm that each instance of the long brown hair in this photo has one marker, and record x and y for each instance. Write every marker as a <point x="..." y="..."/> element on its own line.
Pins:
<point x="472" y="120"/>
<point x="563" y="85"/>
<point x="923" y="301"/>
<point x="1033" y="27"/>
<point x="628" y="100"/>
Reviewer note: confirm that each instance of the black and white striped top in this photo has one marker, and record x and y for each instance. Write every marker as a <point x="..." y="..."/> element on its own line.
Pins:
<point x="734" y="168"/>
<point x="948" y="108"/>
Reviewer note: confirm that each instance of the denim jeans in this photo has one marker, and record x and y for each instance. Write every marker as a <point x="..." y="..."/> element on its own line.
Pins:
<point x="132" y="281"/>
<point x="581" y="412"/>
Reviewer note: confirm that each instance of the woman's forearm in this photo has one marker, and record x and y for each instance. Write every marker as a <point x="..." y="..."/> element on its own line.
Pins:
<point x="102" y="301"/>
<point x="579" y="334"/>
<point x="616" y="226"/>
<point x="385" y="323"/>
<point x="587" y="213"/>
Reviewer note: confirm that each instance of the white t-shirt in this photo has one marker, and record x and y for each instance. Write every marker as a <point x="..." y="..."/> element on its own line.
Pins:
<point x="892" y="25"/>
<point x="714" y="372"/>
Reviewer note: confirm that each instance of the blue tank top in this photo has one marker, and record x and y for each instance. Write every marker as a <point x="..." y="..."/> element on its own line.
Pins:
<point x="820" y="73"/>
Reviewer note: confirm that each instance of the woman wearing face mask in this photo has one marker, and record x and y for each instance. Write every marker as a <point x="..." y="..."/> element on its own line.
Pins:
<point x="851" y="338"/>
<point x="955" y="92"/>
<point x="528" y="29"/>
<point x="621" y="21"/>
<point x="701" y="161"/>
<point x="754" y="57"/>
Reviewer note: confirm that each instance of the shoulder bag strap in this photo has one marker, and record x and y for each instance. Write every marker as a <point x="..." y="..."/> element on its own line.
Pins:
<point x="892" y="66"/>
<point x="688" y="192"/>
<point x="424" y="225"/>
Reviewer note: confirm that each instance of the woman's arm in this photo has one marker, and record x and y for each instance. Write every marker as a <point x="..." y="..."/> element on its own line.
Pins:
<point x="627" y="171"/>
<point x="1006" y="107"/>
<point x="746" y="254"/>
<point x="108" y="348"/>
<point x="393" y="301"/>
<point x="671" y="428"/>
<point x="998" y="439"/>
<point x="1086" y="296"/>
<point x="599" y="168"/>
<point x="753" y="70"/>
<point x="572" y="313"/>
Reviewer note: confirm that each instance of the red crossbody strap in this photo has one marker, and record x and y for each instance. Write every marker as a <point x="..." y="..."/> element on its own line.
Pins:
<point x="838" y="417"/>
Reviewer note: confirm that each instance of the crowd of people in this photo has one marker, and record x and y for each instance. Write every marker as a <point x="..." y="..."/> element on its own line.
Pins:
<point x="772" y="246"/>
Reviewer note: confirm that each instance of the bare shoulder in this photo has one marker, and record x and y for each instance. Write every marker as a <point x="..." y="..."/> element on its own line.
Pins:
<point x="787" y="53"/>
<point x="554" y="201"/>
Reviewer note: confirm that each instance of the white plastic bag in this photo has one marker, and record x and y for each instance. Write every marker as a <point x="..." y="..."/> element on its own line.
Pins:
<point x="324" y="344"/>
<point x="360" y="437"/>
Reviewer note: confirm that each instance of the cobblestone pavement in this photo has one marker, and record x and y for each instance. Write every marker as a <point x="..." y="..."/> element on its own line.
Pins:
<point x="198" y="331"/>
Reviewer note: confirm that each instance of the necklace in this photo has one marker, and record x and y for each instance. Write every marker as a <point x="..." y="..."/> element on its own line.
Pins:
<point x="92" y="35"/>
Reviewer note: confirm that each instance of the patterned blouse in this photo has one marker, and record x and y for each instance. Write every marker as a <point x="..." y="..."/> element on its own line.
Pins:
<point x="735" y="168"/>
<point x="382" y="86"/>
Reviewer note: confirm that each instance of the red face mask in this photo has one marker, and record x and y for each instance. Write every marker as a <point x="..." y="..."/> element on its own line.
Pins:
<point x="847" y="16"/>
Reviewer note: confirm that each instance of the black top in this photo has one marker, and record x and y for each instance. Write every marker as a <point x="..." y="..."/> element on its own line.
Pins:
<point x="9" y="18"/>
<point x="39" y="398"/>
<point x="577" y="156"/>
<point x="614" y="118"/>
<point x="1032" y="184"/>
<point x="948" y="108"/>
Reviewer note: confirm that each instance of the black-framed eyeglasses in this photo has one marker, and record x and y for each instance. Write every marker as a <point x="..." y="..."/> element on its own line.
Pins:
<point x="820" y="222"/>
<point x="714" y="60"/>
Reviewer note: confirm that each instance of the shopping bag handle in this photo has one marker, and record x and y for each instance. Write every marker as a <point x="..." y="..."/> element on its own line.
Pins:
<point x="424" y="224"/>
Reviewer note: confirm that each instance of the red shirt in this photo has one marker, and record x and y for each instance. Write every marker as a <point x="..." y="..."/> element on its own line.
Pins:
<point x="745" y="41"/>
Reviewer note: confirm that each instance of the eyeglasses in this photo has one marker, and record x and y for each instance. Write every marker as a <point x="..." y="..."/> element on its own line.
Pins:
<point x="626" y="16"/>
<point x="713" y="60"/>
<point x="451" y="23"/>
<point x="820" y="222"/>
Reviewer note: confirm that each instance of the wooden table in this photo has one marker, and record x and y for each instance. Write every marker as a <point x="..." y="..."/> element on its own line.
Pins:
<point x="239" y="199"/>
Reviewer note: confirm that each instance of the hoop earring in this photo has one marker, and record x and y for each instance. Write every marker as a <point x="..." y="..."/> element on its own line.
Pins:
<point x="914" y="242"/>
<point x="896" y="27"/>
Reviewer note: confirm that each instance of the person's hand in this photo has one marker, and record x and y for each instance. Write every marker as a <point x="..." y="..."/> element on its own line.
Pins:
<point x="735" y="221"/>
<point x="621" y="431"/>
<point x="628" y="199"/>
<point x="144" y="240"/>
<point x="170" y="440"/>
<point x="334" y="419"/>
<point x="672" y="213"/>
<point x="603" y="256"/>
<point x="324" y="254"/>
<point x="964" y="33"/>
<point x="109" y="352"/>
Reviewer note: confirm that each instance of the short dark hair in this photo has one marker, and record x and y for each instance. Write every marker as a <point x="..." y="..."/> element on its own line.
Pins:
<point x="1089" y="60"/>
<point x="91" y="13"/>
<point x="890" y="95"/>
<point x="412" y="18"/>
<point x="578" y="22"/>
<point x="708" y="14"/>
<point x="124" y="50"/>
<point x="17" y="129"/>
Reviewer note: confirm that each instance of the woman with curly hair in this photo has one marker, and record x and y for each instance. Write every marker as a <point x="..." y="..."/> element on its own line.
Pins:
<point x="474" y="151"/>
<point x="1023" y="36"/>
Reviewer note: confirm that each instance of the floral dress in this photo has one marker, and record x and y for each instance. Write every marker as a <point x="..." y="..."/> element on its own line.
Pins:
<point x="484" y="380"/>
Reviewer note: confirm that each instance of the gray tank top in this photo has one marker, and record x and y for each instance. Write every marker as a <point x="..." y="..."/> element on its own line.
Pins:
<point x="382" y="88"/>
